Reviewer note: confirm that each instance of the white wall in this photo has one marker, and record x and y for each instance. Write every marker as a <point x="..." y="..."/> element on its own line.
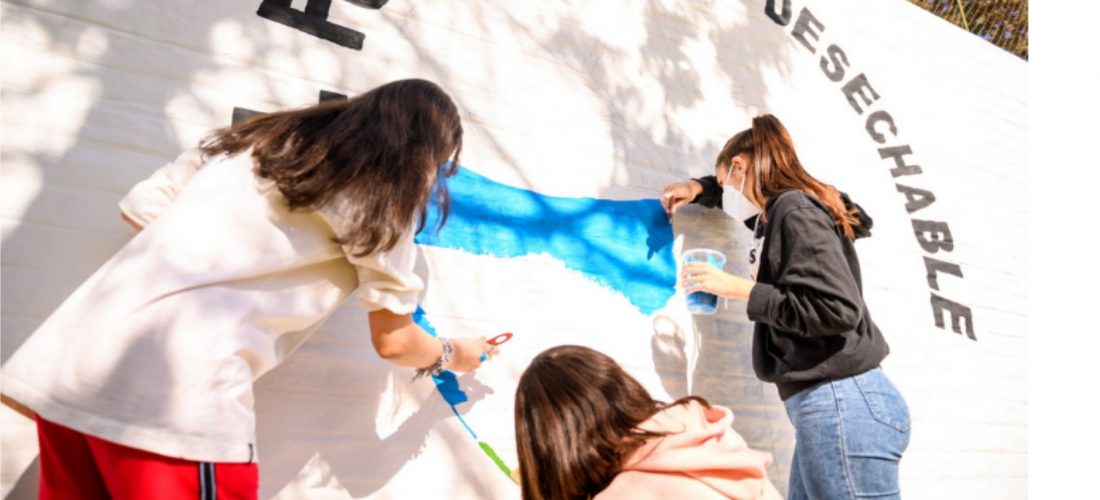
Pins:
<point x="609" y="99"/>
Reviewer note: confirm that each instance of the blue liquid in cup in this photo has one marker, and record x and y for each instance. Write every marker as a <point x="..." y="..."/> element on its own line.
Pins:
<point x="703" y="302"/>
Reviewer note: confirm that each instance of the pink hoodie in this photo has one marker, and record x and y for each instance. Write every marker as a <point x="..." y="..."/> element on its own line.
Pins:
<point x="702" y="457"/>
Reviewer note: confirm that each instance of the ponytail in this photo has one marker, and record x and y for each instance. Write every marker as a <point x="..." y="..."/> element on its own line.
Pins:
<point x="776" y="169"/>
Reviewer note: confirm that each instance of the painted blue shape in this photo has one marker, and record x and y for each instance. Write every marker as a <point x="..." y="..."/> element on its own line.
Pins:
<point x="446" y="383"/>
<point x="625" y="245"/>
<point x="421" y="318"/>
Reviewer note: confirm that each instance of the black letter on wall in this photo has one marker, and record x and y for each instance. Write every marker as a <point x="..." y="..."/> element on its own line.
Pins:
<point x="933" y="235"/>
<point x="839" y="59"/>
<point x="371" y="4"/>
<point x="898" y="154"/>
<point x="802" y="26"/>
<point x="782" y="18"/>
<point x="314" y="20"/>
<point x="240" y="114"/>
<point x="934" y="266"/>
<point x="331" y="96"/>
<point x="877" y="117"/>
<point x="855" y="87"/>
<point x="958" y="312"/>
<point x="917" y="198"/>
<point x="245" y="113"/>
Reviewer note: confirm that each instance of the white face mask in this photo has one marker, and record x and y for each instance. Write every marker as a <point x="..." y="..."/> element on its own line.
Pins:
<point x="734" y="202"/>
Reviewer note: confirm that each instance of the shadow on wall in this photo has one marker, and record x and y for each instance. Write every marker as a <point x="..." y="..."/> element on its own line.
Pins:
<point x="126" y="133"/>
<point x="671" y="358"/>
<point x="70" y="224"/>
<point x="744" y="52"/>
<point x="340" y="411"/>
<point x="26" y="487"/>
<point x="142" y="351"/>
<point x="723" y="371"/>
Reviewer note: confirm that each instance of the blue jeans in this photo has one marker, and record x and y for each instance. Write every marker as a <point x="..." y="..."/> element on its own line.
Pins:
<point x="849" y="437"/>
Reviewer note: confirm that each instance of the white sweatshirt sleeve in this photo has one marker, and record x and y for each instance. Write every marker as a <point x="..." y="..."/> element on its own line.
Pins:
<point x="150" y="197"/>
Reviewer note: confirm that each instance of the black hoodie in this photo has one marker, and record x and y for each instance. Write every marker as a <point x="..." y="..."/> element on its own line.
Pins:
<point x="812" y="324"/>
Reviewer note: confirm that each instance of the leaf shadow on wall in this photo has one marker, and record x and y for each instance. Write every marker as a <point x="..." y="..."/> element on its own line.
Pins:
<point x="71" y="224"/>
<point x="349" y="395"/>
<point x="652" y="150"/>
<point x="89" y="128"/>
<point x="321" y="428"/>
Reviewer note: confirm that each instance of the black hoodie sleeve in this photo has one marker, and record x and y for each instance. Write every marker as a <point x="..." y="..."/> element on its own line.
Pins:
<point x="712" y="192"/>
<point x="814" y="292"/>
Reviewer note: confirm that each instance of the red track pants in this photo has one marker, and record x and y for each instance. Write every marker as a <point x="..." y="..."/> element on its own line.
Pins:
<point x="78" y="466"/>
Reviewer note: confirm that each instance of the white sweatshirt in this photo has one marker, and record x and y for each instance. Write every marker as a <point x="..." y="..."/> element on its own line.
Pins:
<point x="158" y="349"/>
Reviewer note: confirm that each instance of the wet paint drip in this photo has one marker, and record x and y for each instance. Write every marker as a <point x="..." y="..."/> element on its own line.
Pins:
<point x="447" y="385"/>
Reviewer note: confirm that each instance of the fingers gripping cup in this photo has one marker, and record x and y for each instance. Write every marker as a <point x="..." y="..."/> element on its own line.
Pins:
<point x="703" y="302"/>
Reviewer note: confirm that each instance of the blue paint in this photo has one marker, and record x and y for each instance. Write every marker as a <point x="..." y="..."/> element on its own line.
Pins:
<point x="421" y="318"/>
<point x="623" y="245"/>
<point x="446" y="383"/>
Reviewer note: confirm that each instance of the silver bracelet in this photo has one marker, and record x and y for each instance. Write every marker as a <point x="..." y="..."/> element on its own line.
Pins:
<point x="437" y="368"/>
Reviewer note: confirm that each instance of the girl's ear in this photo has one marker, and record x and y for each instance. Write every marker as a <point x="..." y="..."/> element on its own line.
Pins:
<point x="743" y="161"/>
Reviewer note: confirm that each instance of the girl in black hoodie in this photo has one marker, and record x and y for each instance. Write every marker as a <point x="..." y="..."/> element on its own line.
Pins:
<point x="814" y="336"/>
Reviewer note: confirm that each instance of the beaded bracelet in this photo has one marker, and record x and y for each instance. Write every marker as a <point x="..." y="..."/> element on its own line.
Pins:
<point x="437" y="368"/>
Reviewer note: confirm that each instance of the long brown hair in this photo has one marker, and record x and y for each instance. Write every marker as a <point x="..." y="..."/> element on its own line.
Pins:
<point x="385" y="150"/>
<point x="577" y="414"/>
<point x="774" y="168"/>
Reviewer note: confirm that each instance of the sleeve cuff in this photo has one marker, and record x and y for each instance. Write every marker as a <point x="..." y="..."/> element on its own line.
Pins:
<point x="374" y="300"/>
<point x="759" y="301"/>
<point x="127" y="206"/>
<point x="147" y="199"/>
<point x="711" y="196"/>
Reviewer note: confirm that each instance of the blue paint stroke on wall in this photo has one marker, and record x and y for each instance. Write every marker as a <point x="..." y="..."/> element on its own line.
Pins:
<point x="625" y="245"/>
<point x="446" y="383"/>
<point x="622" y="245"/>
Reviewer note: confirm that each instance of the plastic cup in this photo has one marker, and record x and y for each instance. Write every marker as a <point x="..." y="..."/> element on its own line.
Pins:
<point x="703" y="302"/>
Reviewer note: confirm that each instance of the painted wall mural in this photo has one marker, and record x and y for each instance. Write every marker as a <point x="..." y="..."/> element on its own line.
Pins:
<point x="623" y="245"/>
<point x="576" y="116"/>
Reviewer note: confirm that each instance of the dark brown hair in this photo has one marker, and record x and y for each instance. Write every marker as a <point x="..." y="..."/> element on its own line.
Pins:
<point x="774" y="168"/>
<point x="386" y="151"/>
<point x="577" y="415"/>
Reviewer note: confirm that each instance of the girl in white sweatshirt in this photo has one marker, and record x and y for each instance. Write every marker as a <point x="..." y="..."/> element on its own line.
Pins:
<point x="141" y="381"/>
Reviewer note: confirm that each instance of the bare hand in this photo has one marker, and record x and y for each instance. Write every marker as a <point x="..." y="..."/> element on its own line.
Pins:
<point x="703" y="277"/>
<point x="467" y="353"/>
<point x="679" y="194"/>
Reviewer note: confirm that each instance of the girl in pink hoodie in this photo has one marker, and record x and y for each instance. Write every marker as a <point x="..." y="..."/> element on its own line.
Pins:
<point x="587" y="429"/>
